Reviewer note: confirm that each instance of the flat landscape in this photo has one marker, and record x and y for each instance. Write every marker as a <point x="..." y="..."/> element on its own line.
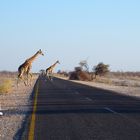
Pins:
<point x="17" y="103"/>
<point x="69" y="70"/>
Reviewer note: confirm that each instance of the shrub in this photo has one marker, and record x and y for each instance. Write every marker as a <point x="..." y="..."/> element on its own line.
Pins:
<point x="101" y="69"/>
<point x="80" y="75"/>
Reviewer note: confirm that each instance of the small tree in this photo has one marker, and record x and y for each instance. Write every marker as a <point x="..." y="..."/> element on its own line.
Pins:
<point x="84" y="65"/>
<point x="101" y="69"/>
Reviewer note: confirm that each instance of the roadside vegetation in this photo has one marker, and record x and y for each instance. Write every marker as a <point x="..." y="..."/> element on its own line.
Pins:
<point x="6" y="86"/>
<point x="7" y="80"/>
<point x="101" y="73"/>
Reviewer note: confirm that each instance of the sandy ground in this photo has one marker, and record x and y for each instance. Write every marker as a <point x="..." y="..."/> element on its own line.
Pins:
<point x="129" y="89"/>
<point x="14" y="107"/>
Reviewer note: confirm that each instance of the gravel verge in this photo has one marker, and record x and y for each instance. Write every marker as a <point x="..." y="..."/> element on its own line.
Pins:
<point x="14" y="107"/>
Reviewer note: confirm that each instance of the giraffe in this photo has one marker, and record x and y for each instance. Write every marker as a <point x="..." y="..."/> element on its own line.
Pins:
<point x="49" y="70"/>
<point x="26" y="67"/>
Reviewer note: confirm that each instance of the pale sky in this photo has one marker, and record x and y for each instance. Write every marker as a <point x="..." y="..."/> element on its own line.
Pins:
<point x="70" y="31"/>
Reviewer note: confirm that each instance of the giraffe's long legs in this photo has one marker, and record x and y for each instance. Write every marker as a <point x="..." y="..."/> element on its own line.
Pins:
<point x="50" y="76"/>
<point x="25" y="82"/>
<point x="21" y="79"/>
<point x="18" y="81"/>
<point x="30" y="76"/>
<point x="26" y="78"/>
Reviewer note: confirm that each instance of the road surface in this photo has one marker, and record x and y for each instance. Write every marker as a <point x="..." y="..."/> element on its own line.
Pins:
<point x="63" y="110"/>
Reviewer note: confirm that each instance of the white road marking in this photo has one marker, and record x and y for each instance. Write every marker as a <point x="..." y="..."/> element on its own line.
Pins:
<point x="89" y="99"/>
<point x="123" y="116"/>
<point x="110" y="110"/>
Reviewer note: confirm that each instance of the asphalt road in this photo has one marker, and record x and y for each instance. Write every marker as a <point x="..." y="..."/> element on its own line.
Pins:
<point x="64" y="110"/>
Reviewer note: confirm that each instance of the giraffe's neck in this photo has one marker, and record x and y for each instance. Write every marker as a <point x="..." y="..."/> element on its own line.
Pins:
<point x="31" y="59"/>
<point x="54" y="64"/>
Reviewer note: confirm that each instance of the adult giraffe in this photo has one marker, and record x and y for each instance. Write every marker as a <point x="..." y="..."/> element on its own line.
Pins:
<point x="26" y="67"/>
<point x="49" y="70"/>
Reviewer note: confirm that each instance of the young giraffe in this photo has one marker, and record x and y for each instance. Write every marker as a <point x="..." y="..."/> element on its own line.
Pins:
<point x="26" y="67"/>
<point x="49" y="70"/>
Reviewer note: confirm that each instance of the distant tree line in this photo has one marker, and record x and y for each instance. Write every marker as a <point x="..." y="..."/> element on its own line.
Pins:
<point x="82" y="72"/>
<point x="100" y="69"/>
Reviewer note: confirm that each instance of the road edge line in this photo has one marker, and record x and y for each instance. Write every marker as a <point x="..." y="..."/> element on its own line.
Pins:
<point x="32" y="124"/>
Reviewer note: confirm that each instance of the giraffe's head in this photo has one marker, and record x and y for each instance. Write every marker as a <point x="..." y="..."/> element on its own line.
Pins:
<point x="58" y="62"/>
<point x="40" y="52"/>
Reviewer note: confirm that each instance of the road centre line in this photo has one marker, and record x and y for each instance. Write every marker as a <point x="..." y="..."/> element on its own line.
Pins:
<point x="87" y="98"/>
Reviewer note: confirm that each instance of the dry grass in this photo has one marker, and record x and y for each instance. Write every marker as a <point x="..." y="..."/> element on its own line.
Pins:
<point x="115" y="81"/>
<point x="6" y="86"/>
<point x="8" y="81"/>
<point x="103" y="80"/>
